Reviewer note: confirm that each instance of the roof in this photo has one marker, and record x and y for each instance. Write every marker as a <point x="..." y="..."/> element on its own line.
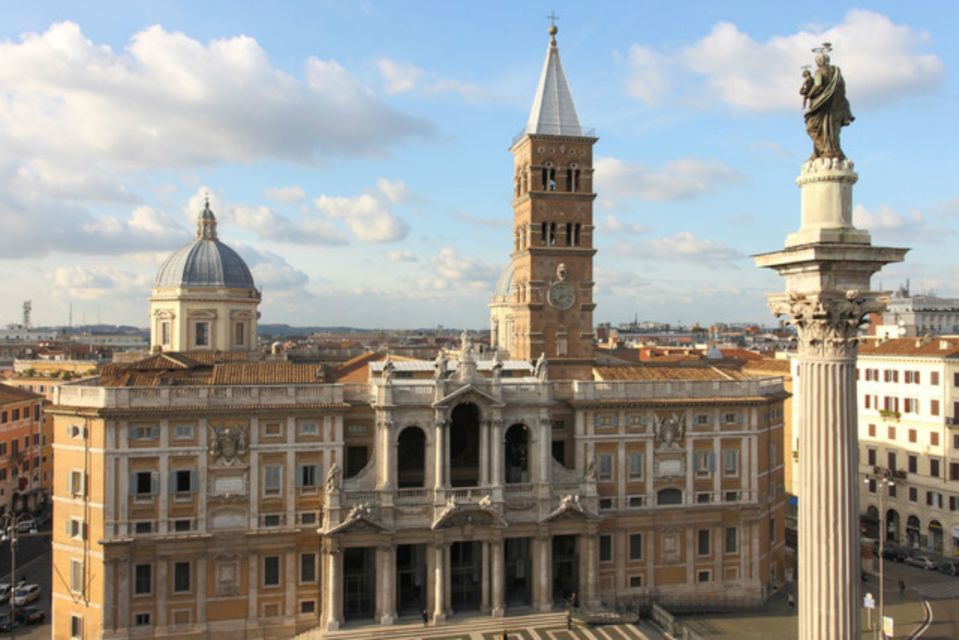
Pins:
<point x="665" y="373"/>
<point x="505" y="283"/>
<point x="16" y="394"/>
<point x="553" y="112"/>
<point x="207" y="368"/>
<point x="768" y="365"/>
<point x="451" y="365"/>
<point x="929" y="347"/>
<point x="206" y="262"/>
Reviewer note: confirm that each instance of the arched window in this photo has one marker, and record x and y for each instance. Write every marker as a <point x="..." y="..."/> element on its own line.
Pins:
<point x="549" y="177"/>
<point x="892" y="525"/>
<point x="669" y="496"/>
<point x="569" y="234"/>
<point x="411" y="458"/>
<point x="913" y="529"/>
<point x="517" y="454"/>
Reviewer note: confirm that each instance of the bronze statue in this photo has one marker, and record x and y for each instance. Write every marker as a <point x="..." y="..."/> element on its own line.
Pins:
<point x="828" y="110"/>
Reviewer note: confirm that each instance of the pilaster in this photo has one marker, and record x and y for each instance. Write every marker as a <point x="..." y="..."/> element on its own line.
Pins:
<point x="498" y="608"/>
<point x="439" y="583"/>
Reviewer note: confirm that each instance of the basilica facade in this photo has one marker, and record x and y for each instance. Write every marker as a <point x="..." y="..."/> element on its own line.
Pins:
<point x="205" y="492"/>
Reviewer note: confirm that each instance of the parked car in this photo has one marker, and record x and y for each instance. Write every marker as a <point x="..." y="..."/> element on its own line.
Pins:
<point x="922" y="562"/>
<point x="894" y="552"/>
<point x="42" y="519"/>
<point x="5" y="622"/>
<point x="4" y="592"/>
<point x="27" y="526"/>
<point x="25" y="594"/>
<point x="29" y="615"/>
<point x="950" y="567"/>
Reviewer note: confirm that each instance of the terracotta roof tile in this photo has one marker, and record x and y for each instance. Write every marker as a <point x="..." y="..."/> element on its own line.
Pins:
<point x="16" y="394"/>
<point x="267" y="373"/>
<point x="935" y="347"/>
<point x="665" y="373"/>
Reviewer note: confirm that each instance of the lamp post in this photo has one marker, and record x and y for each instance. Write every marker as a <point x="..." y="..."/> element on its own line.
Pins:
<point x="883" y="480"/>
<point x="10" y="532"/>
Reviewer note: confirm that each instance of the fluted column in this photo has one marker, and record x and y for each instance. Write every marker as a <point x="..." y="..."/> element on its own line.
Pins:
<point x="496" y="569"/>
<point x="588" y="575"/>
<point x="439" y="461"/>
<point x="827" y="266"/>
<point x="386" y="579"/>
<point x="484" y="453"/>
<point x="484" y="576"/>
<point x="544" y="573"/>
<point x="332" y="606"/>
<point x="496" y="450"/>
<point x="439" y="583"/>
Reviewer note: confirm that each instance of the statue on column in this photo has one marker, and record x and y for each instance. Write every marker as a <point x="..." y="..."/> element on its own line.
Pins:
<point x="828" y="111"/>
<point x="439" y="366"/>
<point x="333" y="478"/>
<point x="541" y="369"/>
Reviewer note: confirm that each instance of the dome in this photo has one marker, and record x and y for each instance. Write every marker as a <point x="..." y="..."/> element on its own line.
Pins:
<point x="206" y="262"/>
<point x="504" y="286"/>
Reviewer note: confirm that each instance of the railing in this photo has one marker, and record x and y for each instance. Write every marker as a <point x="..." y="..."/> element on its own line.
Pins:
<point x="515" y="489"/>
<point x="656" y="390"/>
<point x="470" y="494"/>
<point x="84" y="395"/>
<point x="351" y="498"/>
<point x="412" y="495"/>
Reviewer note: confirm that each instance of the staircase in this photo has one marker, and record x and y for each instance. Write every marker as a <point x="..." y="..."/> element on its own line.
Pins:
<point x="540" y="626"/>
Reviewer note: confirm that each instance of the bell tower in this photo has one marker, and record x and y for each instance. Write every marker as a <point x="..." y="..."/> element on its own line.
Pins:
<point x="551" y="301"/>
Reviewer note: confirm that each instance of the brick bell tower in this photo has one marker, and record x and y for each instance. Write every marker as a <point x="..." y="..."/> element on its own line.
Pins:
<point x="552" y="286"/>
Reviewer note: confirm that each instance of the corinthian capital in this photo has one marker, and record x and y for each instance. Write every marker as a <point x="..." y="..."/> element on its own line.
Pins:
<point x="827" y="323"/>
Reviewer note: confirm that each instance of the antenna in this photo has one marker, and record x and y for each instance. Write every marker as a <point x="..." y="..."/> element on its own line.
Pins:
<point x="27" y="308"/>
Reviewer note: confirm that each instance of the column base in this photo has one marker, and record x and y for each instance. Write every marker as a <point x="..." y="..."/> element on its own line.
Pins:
<point x="387" y="619"/>
<point x="333" y="625"/>
<point x="498" y="612"/>
<point x="545" y="607"/>
<point x="439" y="618"/>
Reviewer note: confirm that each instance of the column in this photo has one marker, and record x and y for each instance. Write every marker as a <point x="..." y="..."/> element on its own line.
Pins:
<point x="124" y="589"/>
<point x="485" y="577"/>
<point x="385" y="451"/>
<point x="201" y="521"/>
<point x="161" y="590"/>
<point x="252" y="615"/>
<point x="591" y="577"/>
<point x="439" y="457"/>
<point x="496" y="587"/>
<point x="201" y="562"/>
<point x="291" y="579"/>
<point x="484" y="453"/>
<point x="109" y="593"/>
<point x="496" y="449"/>
<point x="439" y="583"/>
<point x="164" y="497"/>
<point x="545" y="442"/>
<point x="544" y="574"/>
<point x="332" y="607"/>
<point x="827" y="266"/>
<point x="386" y="584"/>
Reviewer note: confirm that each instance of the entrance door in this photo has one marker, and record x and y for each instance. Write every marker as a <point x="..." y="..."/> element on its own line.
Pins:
<point x="565" y="569"/>
<point x="410" y="579"/>
<point x="518" y="586"/>
<point x="465" y="576"/>
<point x="359" y="580"/>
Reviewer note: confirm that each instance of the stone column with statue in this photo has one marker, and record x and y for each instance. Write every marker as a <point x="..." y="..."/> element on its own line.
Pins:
<point x="827" y="265"/>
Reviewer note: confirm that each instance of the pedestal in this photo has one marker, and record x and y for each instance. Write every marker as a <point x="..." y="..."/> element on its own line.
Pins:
<point x="827" y="266"/>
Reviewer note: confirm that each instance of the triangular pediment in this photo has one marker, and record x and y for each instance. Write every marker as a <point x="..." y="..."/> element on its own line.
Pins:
<point x="359" y="520"/>
<point x="468" y="515"/>
<point x="464" y="394"/>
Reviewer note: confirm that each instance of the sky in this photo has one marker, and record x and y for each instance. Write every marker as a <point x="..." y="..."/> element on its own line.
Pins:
<point x="356" y="154"/>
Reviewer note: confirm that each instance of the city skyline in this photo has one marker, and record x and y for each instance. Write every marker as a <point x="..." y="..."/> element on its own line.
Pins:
<point x="356" y="156"/>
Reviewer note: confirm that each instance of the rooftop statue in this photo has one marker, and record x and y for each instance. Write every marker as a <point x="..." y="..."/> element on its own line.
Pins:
<point x="828" y="111"/>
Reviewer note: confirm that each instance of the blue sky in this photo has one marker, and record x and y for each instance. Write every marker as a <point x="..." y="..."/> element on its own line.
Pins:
<point x="356" y="153"/>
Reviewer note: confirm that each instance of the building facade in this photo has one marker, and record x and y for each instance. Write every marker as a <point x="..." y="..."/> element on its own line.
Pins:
<point x="205" y="493"/>
<point x="22" y="486"/>
<point x="908" y="417"/>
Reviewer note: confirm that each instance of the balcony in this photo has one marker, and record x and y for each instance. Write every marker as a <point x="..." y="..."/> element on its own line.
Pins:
<point x="84" y="395"/>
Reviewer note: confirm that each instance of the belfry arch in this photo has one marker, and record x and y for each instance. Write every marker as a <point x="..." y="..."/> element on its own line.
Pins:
<point x="516" y="454"/>
<point x="464" y="446"/>
<point x="411" y="458"/>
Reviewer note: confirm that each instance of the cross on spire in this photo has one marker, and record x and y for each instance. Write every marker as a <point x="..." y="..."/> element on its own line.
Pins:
<point x="552" y="17"/>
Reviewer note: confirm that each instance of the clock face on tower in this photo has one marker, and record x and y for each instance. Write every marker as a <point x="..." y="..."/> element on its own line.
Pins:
<point x="561" y="296"/>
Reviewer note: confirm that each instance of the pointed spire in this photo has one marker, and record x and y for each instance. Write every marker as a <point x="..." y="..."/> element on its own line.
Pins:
<point x="206" y="223"/>
<point x="553" y="111"/>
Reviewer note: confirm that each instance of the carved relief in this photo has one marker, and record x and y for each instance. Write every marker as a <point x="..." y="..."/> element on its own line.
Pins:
<point x="827" y="324"/>
<point x="227" y="444"/>
<point x="669" y="430"/>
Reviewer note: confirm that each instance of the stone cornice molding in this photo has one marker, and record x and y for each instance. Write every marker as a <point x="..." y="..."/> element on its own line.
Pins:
<point x="827" y="323"/>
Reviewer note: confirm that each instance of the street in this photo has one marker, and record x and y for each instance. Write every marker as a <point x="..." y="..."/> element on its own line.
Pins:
<point x="941" y="590"/>
<point x="33" y="563"/>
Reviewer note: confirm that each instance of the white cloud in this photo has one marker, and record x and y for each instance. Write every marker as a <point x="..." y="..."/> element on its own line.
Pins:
<point x="881" y="62"/>
<point x="454" y="272"/>
<point x="369" y="216"/>
<point x="398" y="77"/>
<point x="94" y="283"/>
<point x="614" y="226"/>
<point x="285" y="195"/>
<point x="676" y="180"/>
<point x="401" y="256"/>
<point x="169" y="100"/>
<point x="884" y="219"/>
<point x="403" y="77"/>
<point x="272" y="272"/>
<point x="685" y="246"/>
<point x="648" y="76"/>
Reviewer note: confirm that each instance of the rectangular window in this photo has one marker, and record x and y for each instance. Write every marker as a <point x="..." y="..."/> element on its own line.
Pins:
<point x="955" y="441"/>
<point x="955" y="379"/>
<point x="871" y="457"/>
<point x="76" y="627"/>
<point x="143" y="483"/>
<point x="183" y="432"/>
<point x="143" y="432"/>
<point x="702" y="542"/>
<point x="872" y="431"/>
<point x="306" y="476"/>
<point x="307" y="606"/>
<point x="891" y="490"/>
<point x="202" y="330"/>
<point x="913" y="463"/>
<point x="308" y="518"/>
<point x="891" y="433"/>
<point x="891" y="459"/>
<point x="181" y="577"/>
<point x="731" y="496"/>
<point x="635" y="582"/>
<point x="913" y="494"/>
<point x="308" y="567"/>
<point x="273" y="429"/>
<point x="636" y="546"/>
<point x="239" y="334"/>
<point x="143" y="579"/>
<point x="606" y="548"/>
<point x="183" y="481"/>
<point x="732" y="540"/>
<point x="934" y="439"/>
<point x="182" y="525"/>
<point x="76" y="576"/>
<point x="271" y="571"/>
<point x="954" y="470"/>
<point x="934" y="377"/>
<point x="934" y="407"/>
<point x="703" y="576"/>
<point x="271" y="520"/>
<point x="309" y="428"/>
<point x="871" y="484"/>
<point x="912" y="435"/>
<point x="77" y="483"/>
<point x="605" y="471"/>
<point x="76" y="528"/>
<point x="704" y="498"/>
<point x="705" y="462"/>
<point x="934" y="467"/>
<point x="635" y="466"/>
<point x="730" y="462"/>
<point x="272" y="480"/>
<point x="637" y="502"/>
<point x="165" y="332"/>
